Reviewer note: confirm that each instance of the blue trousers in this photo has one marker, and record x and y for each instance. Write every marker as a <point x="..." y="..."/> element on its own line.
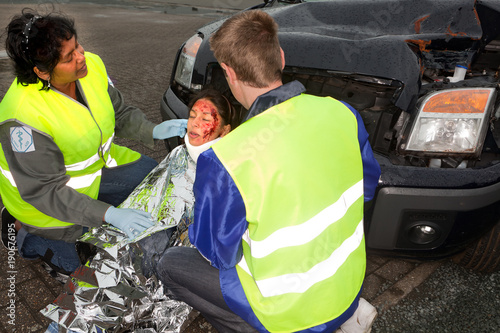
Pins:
<point x="116" y="185"/>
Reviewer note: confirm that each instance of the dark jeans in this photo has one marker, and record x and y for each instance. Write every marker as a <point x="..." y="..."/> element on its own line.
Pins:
<point x="151" y="250"/>
<point x="190" y="278"/>
<point x="61" y="254"/>
<point x="116" y="185"/>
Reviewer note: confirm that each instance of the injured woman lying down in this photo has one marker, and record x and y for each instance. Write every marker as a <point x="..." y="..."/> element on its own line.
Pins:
<point x="116" y="290"/>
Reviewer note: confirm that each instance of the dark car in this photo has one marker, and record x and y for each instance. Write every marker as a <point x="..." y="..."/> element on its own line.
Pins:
<point x="424" y="76"/>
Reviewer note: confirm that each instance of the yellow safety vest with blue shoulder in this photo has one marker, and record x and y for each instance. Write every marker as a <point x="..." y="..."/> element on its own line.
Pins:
<point x="304" y="258"/>
<point x="84" y="136"/>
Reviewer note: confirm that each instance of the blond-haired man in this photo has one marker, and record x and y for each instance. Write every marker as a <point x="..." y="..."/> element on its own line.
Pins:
<point x="278" y="223"/>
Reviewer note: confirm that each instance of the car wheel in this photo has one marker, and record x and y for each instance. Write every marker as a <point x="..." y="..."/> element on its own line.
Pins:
<point x="483" y="255"/>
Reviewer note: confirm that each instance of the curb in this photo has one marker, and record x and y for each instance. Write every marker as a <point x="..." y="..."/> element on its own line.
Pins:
<point x="403" y="287"/>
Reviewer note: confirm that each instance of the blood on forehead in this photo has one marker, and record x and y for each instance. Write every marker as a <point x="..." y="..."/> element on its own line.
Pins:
<point x="205" y="106"/>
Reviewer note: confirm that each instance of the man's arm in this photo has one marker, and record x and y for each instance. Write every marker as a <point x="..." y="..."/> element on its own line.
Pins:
<point x="219" y="213"/>
<point x="40" y="176"/>
<point x="371" y="168"/>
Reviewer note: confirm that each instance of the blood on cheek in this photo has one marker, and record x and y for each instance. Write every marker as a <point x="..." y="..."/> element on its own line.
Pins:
<point x="209" y="129"/>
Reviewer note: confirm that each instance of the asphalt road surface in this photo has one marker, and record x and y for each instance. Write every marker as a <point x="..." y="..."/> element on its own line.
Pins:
<point x="138" y="41"/>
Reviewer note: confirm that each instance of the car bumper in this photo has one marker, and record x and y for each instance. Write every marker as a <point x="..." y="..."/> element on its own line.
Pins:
<point x="454" y="216"/>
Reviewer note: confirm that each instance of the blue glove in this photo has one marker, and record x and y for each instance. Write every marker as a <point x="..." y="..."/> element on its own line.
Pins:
<point x="131" y="221"/>
<point x="170" y="128"/>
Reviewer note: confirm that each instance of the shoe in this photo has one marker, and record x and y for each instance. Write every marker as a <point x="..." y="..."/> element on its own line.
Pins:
<point x="55" y="273"/>
<point x="362" y="319"/>
<point x="9" y="231"/>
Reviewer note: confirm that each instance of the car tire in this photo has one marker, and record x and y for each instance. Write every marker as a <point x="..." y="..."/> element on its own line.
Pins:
<point x="482" y="255"/>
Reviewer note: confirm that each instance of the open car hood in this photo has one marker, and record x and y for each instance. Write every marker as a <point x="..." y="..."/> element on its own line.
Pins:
<point x="386" y="39"/>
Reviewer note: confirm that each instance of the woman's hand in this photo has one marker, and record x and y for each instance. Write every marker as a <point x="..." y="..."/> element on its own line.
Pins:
<point x="131" y="221"/>
<point x="170" y="128"/>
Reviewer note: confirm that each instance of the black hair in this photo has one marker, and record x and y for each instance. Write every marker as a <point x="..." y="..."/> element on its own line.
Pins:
<point x="226" y="110"/>
<point x="35" y="40"/>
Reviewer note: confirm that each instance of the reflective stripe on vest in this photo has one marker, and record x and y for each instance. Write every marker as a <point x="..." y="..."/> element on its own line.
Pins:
<point x="287" y="283"/>
<point x="303" y="252"/>
<point x="83" y="181"/>
<point x="74" y="182"/>
<point x="88" y="162"/>
<point x="83" y="134"/>
<point x="9" y="177"/>
<point x="79" y="182"/>
<point x="307" y="231"/>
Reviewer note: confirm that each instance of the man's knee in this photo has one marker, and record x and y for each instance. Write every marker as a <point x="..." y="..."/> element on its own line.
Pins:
<point x="163" y="265"/>
<point x="175" y="264"/>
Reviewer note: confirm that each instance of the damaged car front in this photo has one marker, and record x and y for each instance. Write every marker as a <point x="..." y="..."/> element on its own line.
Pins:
<point x="424" y="77"/>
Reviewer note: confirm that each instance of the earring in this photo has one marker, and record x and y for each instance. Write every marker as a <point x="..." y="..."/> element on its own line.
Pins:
<point x="48" y="82"/>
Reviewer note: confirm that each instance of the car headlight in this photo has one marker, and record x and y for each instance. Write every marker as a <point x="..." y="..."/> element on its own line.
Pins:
<point x="185" y="65"/>
<point x="451" y="121"/>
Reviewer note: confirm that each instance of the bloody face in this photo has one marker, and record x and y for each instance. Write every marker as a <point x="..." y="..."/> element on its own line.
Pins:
<point x="204" y="123"/>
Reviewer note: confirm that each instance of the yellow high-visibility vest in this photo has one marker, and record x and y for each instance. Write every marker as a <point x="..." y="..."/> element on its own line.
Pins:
<point x="299" y="171"/>
<point x="84" y="136"/>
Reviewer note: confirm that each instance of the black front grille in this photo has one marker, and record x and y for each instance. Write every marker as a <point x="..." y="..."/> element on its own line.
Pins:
<point x="361" y="92"/>
<point x="373" y="97"/>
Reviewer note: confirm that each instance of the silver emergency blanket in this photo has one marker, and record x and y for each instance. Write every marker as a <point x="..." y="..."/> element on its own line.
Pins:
<point x="116" y="290"/>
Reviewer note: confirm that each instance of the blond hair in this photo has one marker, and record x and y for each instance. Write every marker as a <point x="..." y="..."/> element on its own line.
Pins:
<point x="248" y="43"/>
